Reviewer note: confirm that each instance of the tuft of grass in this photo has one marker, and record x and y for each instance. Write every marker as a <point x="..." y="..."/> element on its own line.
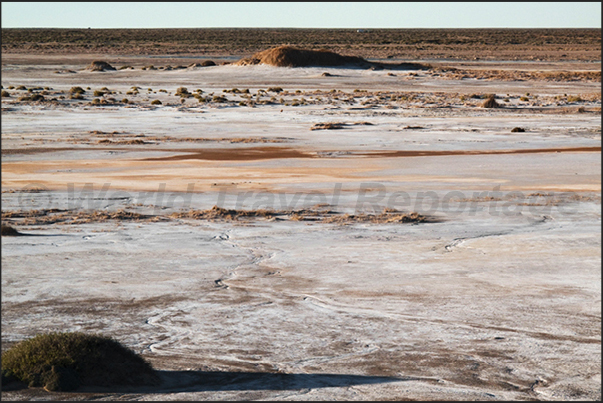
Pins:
<point x="65" y="361"/>
<point x="491" y="103"/>
<point x="77" y="90"/>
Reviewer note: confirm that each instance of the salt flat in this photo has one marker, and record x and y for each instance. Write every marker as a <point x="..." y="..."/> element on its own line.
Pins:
<point x="496" y="297"/>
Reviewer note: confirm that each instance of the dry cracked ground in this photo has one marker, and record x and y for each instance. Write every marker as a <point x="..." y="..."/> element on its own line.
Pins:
<point x="266" y="233"/>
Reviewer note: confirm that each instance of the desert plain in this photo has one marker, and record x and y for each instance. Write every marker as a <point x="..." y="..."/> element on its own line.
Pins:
<point x="259" y="232"/>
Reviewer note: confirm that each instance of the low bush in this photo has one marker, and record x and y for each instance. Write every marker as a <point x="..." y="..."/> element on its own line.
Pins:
<point x="65" y="361"/>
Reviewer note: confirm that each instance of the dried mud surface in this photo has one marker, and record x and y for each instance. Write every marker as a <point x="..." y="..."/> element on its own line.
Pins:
<point x="285" y="234"/>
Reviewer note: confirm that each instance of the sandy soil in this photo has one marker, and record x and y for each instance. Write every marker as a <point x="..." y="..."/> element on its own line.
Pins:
<point x="495" y="297"/>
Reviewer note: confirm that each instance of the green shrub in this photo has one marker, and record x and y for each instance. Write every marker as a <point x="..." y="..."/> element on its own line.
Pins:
<point x="64" y="361"/>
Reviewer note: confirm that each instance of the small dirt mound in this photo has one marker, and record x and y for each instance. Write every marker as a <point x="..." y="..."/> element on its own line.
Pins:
<point x="100" y="66"/>
<point x="288" y="56"/>
<point x="66" y="361"/>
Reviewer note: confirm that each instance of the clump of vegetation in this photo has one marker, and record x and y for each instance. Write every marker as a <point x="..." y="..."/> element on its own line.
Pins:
<point x="77" y="90"/>
<point x="5" y="94"/>
<point x="490" y="102"/>
<point x="328" y="126"/>
<point x="183" y="92"/>
<point x="518" y="130"/>
<point x="66" y="361"/>
<point x="207" y="63"/>
<point x="32" y="98"/>
<point x="156" y="102"/>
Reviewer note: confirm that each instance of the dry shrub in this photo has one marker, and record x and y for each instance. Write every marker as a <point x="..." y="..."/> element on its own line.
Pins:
<point x="491" y="103"/>
<point x="288" y="56"/>
<point x="219" y="213"/>
<point x="207" y="63"/>
<point x="518" y="130"/>
<point x="328" y="126"/>
<point x="52" y="216"/>
<point x="132" y="142"/>
<point x="387" y="217"/>
<point x="98" y="65"/>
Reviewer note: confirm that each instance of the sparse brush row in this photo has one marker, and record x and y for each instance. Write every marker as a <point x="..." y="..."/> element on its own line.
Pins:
<point x="451" y="73"/>
<point x="137" y="96"/>
<point x="70" y="217"/>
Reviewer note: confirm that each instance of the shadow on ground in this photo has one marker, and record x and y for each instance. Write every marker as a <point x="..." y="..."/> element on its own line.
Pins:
<point x="204" y="381"/>
<point x="199" y="381"/>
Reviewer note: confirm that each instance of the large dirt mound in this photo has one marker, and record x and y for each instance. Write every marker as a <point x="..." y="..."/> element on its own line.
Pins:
<point x="288" y="56"/>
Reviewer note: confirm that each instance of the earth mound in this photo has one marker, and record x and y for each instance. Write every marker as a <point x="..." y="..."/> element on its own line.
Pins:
<point x="66" y="361"/>
<point x="98" y="65"/>
<point x="288" y="56"/>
